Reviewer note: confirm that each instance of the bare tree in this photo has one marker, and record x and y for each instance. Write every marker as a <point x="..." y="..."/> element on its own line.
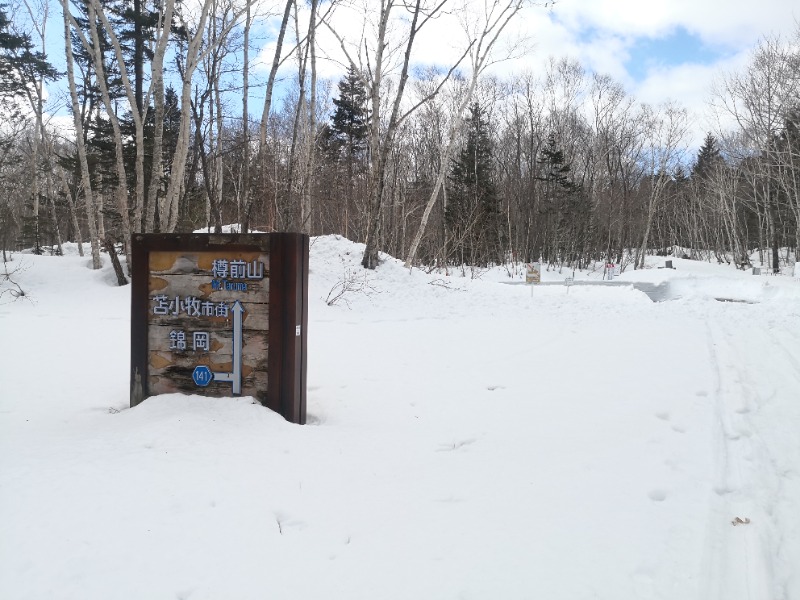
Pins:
<point x="79" y="140"/>
<point x="664" y="132"/>
<point x="482" y="31"/>
<point x="263" y="155"/>
<point x="193" y="56"/>
<point x="374" y="63"/>
<point x="759" y="101"/>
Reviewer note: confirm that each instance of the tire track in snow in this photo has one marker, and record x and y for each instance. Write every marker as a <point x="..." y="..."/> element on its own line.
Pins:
<point x="777" y="414"/>
<point x="758" y="458"/>
<point x="733" y="564"/>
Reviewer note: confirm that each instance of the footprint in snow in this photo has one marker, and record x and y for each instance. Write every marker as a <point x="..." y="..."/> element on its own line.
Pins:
<point x="657" y="495"/>
<point x="455" y="445"/>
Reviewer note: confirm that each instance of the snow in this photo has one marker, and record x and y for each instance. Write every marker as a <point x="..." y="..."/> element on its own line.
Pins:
<point x="466" y="439"/>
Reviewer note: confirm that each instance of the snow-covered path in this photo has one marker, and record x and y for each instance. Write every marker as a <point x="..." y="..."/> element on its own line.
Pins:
<point x="465" y="440"/>
<point x="756" y="553"/>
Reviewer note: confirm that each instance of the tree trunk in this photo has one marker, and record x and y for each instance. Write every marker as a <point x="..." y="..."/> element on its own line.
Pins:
<point x="121" y="194"/>
<point x="157" y="69"/>
<point x="73" y="214"/>
<point x="311" y="136"/>
<point x="378" y="179"/>
<point x="245" y="186"/>
<point x="112" y="254"/>
<point x="79" y="141"/>
<point x="168" y="207"/>
<point x="262" y="138"/>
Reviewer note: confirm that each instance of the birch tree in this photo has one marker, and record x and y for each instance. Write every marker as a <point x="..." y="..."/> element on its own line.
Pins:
<point x="375" y="59"/>
<point x="77" y="122"/>
<point x="263" y="156"/>
<point x="759" y="100"/>
<point x="482" y="29"/>
<point x="665" y="132"/>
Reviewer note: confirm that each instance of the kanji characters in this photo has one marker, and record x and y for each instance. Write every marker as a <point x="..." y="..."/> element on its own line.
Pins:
<point x="255" y="270"/>
<point x="238" y="269"/>
<point x="177" y="340"/>
<point x="221" y="310"/>
<point x="219" y="268"/>
<point x="201" y="341"/>
<point x="190" y="306"/>
<point x="162" y="305"/>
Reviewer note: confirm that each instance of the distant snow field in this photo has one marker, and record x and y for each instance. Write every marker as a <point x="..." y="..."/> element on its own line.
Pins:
<point x="467" y="439"/>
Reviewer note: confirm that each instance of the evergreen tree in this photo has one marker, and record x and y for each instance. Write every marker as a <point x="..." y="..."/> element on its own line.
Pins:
<point x="708" y="157"/>
<point x="347" y="133"/>
<point x="473" y="211"/>
<point x="555" y="168"/>
<point x="21" y="68"/>
<point x="562" y="204"/>
<point x="20" y="64"/>
<point x="135" y="26"/>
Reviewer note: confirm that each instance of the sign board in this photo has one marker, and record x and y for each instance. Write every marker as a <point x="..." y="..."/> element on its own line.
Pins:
<point x="221" y="315"/>
<point x="611" y="270"/>
<point x="533" y="272"/>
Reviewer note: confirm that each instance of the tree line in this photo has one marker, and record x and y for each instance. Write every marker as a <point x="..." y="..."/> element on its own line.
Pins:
<point x="440" y="166"/>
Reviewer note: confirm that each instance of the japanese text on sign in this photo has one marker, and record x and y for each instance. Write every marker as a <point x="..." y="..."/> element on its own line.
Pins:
<point x="190" y="306"/>
<point x="201" y="341"/>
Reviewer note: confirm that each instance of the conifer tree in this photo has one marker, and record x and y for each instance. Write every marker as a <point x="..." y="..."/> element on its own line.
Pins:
<point x="560" y="203"/>
<point x="22" y="70"/>
<point x="20" y="64"/>
<point x="473" y="213"/>
<point x="347" y="133"/>
<point x="708" y="157"/>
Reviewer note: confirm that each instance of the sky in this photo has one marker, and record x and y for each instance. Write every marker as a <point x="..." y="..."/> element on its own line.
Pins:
<point x="659" y="50"/>
<point x="664" y="49"/>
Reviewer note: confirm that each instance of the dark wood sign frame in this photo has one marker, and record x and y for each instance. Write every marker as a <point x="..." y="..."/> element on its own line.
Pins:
<point x="288" y="309"/>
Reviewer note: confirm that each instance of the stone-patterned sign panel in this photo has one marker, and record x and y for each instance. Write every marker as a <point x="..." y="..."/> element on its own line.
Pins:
<point x="208" y="309"/>
<point x="221" y="315"/>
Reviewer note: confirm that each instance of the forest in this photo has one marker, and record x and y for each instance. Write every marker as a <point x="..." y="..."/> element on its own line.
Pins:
<point x="437" y="164"/>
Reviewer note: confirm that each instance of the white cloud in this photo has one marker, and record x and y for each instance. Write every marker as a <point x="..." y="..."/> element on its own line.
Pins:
<point x="690" y="86"/>
<point x="602" y="35"/>
<point x="728" y="22"/>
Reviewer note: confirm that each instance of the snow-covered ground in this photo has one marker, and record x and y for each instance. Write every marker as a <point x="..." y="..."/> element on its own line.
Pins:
<point x="467" y="439"/>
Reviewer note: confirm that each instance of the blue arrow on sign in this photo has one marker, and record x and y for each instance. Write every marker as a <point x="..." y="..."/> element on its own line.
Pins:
<point x="202" y="375"/>
<point x="235" y="376"/>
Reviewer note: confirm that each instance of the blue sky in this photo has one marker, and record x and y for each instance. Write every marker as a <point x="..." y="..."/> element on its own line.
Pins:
<point x="676" y="48"/>
<point x="664" y="49"/>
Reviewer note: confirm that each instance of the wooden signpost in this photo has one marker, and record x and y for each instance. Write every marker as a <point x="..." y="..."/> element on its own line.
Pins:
<point x="221" y="315"/>
<point x="533" y="272"/>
